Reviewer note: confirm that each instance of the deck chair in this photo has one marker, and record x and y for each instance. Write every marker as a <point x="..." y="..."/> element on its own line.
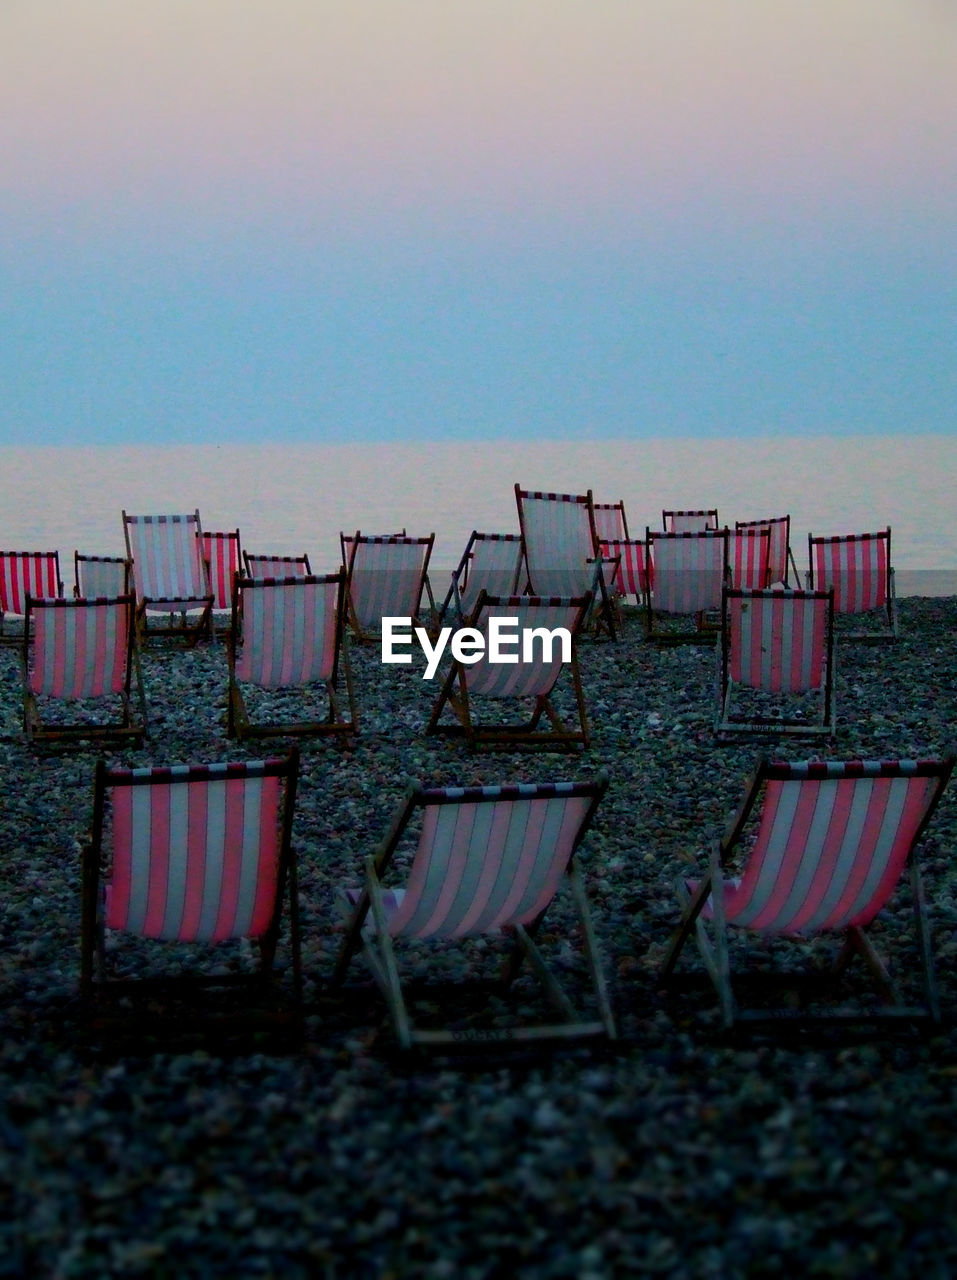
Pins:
<point x="191" y="854"/>
<point x="520" y="680"/>
<point x="824" y="845"/>
<point x="346" y="540"/>
<point x="277" y="566"/>
<point x="95" y="576"/>
<point x="23" y="574"/>
<point x="491" y="562"/>
<point x="169" y="575"/>
<point x="858" y="567"/>
<point x="484" y="861"/>
<point x="781" y="564"/>
<point x="81" y="653"/>
<point x="386" y="577"/>
<point x="632" y="576"/>
<point x="689" y="572"/>
<point x="287" y="635"/>
<point x="774" y="669"/>
<point x="749" y="557"/>
<point x="222" y="552"/>
<point x="689" y="521"/>
<point x="611" y="524"/>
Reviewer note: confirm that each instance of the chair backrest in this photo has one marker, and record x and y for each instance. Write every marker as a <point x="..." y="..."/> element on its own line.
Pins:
<point x="689" y="569"/>
<point x="28" y="573"/>
<point x="346" y="540"/>
<point x="779" y="554"/>
<point x="167" y="557"/>
<point x="689" y="521"/>
<point x="631" y="576"/>
<point x="277" y="566"/>
<point x="610" y="522"/>
<point x="491" y="562"/>
<point x="79" y="648"/>
<point x="488" y="857"/>
<point x="559" y="538"/>
<point x="287" y="631"/>
<point x="781" y="641"/>
<point x="386" y="576"/>
<point x="749" y="556"/>
<point x="222" y="553"/>
<point x="535" y="618"/>
<point x="832" y="840"/>
<point x="857" y="566"/>
<point x="95" y="576"/>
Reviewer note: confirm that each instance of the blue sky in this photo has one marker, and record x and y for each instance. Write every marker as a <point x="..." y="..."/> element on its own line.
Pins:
<point x="406" y="219"/>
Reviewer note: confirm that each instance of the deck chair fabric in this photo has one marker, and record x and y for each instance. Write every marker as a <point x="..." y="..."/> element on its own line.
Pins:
<point x="222" y="551"/>
<point x="558" y="534"/>
<point x="27" y="573"/>
<point x="749" y="557"/>
<point x="781" y="565"/>
<point x="484" y="860"/>
<point x="689" y="521"/>
<point x="827" y="848"/>
<point x="858" y="567"/>
<point x="288" y="633"/>
<point x="79" y="651"/>
<point x="491" y="562"/>
<point x="689" y="573"/>
<point x="527" y="679"/>
<point x="779" y="645"/>
<point x="191" y="854"/>
<point x="169" y="574"/>
<point x="632" y="576"/>
<point x="387" y="575"/>
<point x="277" y="566"/>
<point x="611" y="524"/>
<point x="101" y="576"/>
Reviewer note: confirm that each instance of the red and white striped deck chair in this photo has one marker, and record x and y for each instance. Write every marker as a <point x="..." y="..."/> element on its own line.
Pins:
<point x="480" y="861"/>
<point x="631" y="576"/>
<point x="781" y="563"/>
<point x="386" y="577"/>
<point x="749" y="557"/>
<point x="23" y="574"/>
<point x="823" y="845"/>
<point x="287" y="634"/>
<point x="97" y="576"/>
<point x="222" y="552"/>
<point x="858" y="567"/>
<point x="191" y="854"/>
<point x="775" y="663"/>
<point x="689" y="521"/>
<point x="277" y="566"/>
<point x="535" y="656"/>
<point x="689" y="572"/>
<point x="80" y="653"/>
<point x="611" y="524"/>
<point x="491" y="562"/>
<point x="169" y="575"/>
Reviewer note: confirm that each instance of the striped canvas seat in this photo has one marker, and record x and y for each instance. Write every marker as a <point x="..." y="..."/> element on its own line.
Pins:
<point x="689" y="521"/>
<point x="611" y="524"/>
<point x="689" y="572"/>
<point x="387" y="574"/>
<point x="824" y="845"/>
<point x="631" y="577"/>
<point x="749" y="557"/>
<point x="781" y="644"/>
<point x="781" y="564"/>
<point x="858" y="567"/>
<point x="81" y="651"/>
<point x="491" y="562"/>
<point x="169" y="574"/>
<point x="27" y="573"/>
<point x="523" y="679"/>
<point x="191" y="854"/>
<point x="96" y="576"/>
<point x="277" y="566"/>
<point x="223" y="555"/>
<point x="483" y="860"/>
<point x="287" y="633"/>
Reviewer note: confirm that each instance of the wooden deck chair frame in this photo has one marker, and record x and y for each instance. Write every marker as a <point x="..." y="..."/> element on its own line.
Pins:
<point x="256" y="566"/>
<point x="476" y="858"/>
<point x="23" y="574"/>
<point x="859" y="567"/>
<point x="749" y="557"/>
<point x="507" y="683"/>
<point x="670" y="594"/>
<point x="812" y="823"/>
<point x="95" y="576"/>
<point x="492" y="561"/>
<point x="174" y="579"/>
<point x="782" y="567"/>
<point x="359" y="617"/>
<point x="312" y="658"/>
<point x="145" y="882"/>
<point x="101" y="663"/>
<point x="781" y="643"/>
<point x="689" y="521"/>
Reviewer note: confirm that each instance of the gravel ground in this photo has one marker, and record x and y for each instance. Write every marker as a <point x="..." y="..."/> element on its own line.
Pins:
<point x="678" y="1151"/>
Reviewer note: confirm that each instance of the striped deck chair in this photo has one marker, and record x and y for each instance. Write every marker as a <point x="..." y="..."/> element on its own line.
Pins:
<point x="858" y="567"/>
<point x="522" y="677"/>
<point x="190" y="854"/>
<point x="277" y="566"/>
<point x="81" y="653"/>
<point x="775" y="663"/>
<point x="689" y="521"/>
<point x="689" y="571"/>
<point x="23" y="574"/>
<point x="222" y="552"/>
<point x="824" y="847"/>
<point x="749" y="557"/>
<point x="169" y="574"/>
<point x="491" y="562"/>
<point x="346" y="540"/>
<point x="611" y="525"/>
<point x="781" y="563"/>
<point x="484" y="861"/>
<point x="386" y="576"/>
<point x="95" y="576"/>
<point x="287" y="634"/>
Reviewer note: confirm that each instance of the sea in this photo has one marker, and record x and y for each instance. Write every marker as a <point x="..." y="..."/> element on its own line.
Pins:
<point x="289" y="498"/>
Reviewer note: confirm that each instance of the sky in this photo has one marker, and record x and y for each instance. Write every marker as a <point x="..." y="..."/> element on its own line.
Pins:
<point x="250" y="220"/>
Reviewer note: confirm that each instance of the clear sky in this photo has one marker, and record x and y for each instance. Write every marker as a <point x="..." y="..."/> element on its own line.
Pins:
<point x="400" y="219"/>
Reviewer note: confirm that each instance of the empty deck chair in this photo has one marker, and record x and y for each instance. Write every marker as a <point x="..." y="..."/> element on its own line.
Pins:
<point x="27" y="573"/>
<point x="169" y="575"/>
<point x="190" y="854"/>
<point x="749" y="557"/>
<point x="222" y="552"/>
<point x="491" y="562"/>
<point x="386" y="577"/>
<point x="527" y="677"/>
<point x="95" y="576"/>
<point x="858" y="567"/>
<point x="781" y="564"/>
<point x="287" y="635"/>
<point x="631" y="575"/>
<point x="484" y="861"/>
<point x="775" y="663"/>
<point x="689" y="521"/>
<point x="823" y="846"/>
<point x="689" y="572"/>
<point x="80" y="653"/>
<point x="611" y="524"/>
<point x="277" y="566"/>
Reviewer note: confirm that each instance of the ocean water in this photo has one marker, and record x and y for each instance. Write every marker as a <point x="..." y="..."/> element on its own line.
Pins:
<point x="290" y="498"/>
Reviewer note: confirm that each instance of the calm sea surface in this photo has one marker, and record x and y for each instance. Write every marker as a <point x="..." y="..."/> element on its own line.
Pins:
<point x="294" y="498"/>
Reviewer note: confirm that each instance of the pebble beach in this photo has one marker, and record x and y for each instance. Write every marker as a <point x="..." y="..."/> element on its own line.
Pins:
<point x="677" y="1150"/>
